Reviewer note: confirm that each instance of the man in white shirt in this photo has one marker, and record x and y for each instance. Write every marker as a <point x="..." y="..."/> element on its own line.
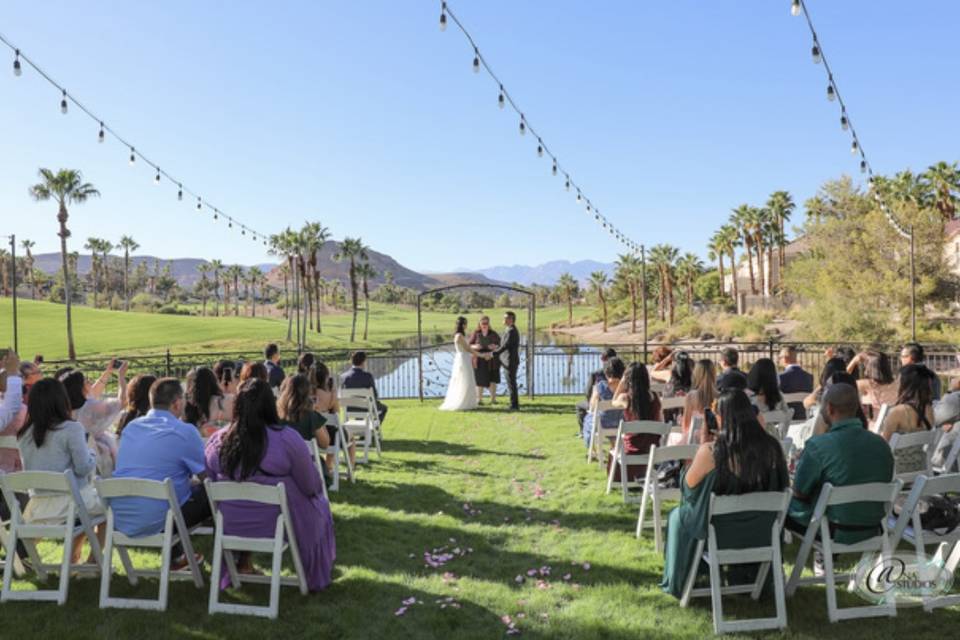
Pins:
<point x="12" y="387"/>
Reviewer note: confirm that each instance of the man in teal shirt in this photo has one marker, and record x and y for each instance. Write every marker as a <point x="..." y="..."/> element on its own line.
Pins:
<point x="846" y="454"/>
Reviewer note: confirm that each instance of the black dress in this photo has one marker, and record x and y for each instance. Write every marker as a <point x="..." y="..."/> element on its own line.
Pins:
<point x="486" y="372"/>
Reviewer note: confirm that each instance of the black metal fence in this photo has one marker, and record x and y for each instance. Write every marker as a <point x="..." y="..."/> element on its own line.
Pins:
<point x="557" y="369"/>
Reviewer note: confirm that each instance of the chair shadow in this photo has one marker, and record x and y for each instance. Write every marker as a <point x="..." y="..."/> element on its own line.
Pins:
<point x="444" y="448"/>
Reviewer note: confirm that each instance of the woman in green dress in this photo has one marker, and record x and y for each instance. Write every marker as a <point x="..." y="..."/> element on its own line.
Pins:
<point x="744" y="458"/>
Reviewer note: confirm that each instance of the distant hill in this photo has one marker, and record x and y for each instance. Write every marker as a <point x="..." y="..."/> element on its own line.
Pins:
<point x="546" y="274"/>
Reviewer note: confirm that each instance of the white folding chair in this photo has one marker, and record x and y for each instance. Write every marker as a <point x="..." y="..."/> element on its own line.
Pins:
<point x="795" y="398"/>
<point x="778" y="422"/>
<point x="319" y="463"/>
<point x="53" y="484"/>
<point x="621" y="460"/>
<point x="174" y="530"/>
<point x="672" y="404"/>
<point x="361" y="420"/>
<point x="654" y="494"/>
<point x="767" y="555"/>
<point x="6" y="442"/>
<point x="950" y="461"/>
<point x="901" y="442"/>
<point x="225" y="545"/>
<point x="595" y="446"/>
<point x="340" y="450"/>
<point x="830" y="496"/>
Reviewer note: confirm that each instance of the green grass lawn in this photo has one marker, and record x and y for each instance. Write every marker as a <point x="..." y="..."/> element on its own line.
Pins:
<point x="101" y="332"/>
<point x="510" y="491"/>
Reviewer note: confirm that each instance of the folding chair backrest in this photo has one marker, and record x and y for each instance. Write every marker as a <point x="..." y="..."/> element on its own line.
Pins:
<point x="8" y="442"/>
<point x="651" y="427"/>
<point x="49" y="481"/>
<point x="133" y="487"/>
<point x="795" y="398"/>
<point x="868" y="492"/>
<point x="914" y="439"/>
<point x="672" y="403"/>
<point x="675" y="452"/>
<point x="249" y="491"/>
<point x="778" y="422"/>
<point x="775" y="501"/>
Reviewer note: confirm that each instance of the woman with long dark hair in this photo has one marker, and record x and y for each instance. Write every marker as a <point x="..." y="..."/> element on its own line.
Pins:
<point x="207" y="407"/>
<point x="254" y="371"/>
<point x="638" y="403"/>
<point x="832" y="366"/>
<point x="742" y="459"/>
<point x="138" y="400"/>
<point x="257" y="448"/>
<point x="295" y="406"/>
<point x="461" y="390"/>
<point x="226" y="372"/>
<point x="98" y="416"/>
<point x="763" y="382"/>
<point x="877" y="385"/>
<point x="681" y="376"/>
<point x="699" y="402"/>
<point x="913" y="412"/>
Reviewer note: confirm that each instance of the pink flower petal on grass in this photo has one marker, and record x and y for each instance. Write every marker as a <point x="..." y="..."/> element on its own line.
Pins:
<point x="400" y="611"/>
<point x="409" y="601"/>
<point x="566" y="576"/>
<point x="586" y="566"/>
<point x="531" y="572"/>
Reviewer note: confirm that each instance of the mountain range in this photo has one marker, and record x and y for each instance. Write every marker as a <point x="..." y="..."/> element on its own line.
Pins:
<point x="545" y="274"/>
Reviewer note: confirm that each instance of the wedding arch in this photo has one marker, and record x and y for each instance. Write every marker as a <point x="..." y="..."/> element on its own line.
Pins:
<point x="531" y="322"/>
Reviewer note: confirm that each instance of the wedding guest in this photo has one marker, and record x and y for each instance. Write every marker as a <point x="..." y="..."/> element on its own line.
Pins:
<point x="53" y="441"/>
<point x="699" y="402"/>
<point x="731" y="377"/>
<point x="913" y="412"/>
<point x="613" y="371"/>
<point x="326" y="404"/>
<point x="207" y="408"/>
<point x="832" y="366"/>
<point x="98" y="416"/>
<point x="679" y="383"/>
<point x="13" y="414"/>
<point x="138" y="400"/>
<point x="295" y="406"/>
<point x="486" y="371"/>
<point x="253" y="370"/>
<point x="12" y="389"/>
<point x="358" y="378"/>
<point x="744" y="458"/>
<point x="764" y="385"/>
<point x="225" y="370"/>
<point x="30" y="372"/>
<point x="638" y="402"/>
<point x="584" y="405"/>
<point x="662" y="361"/>
<point x="912" y="353"/>
<point x="158" y="446"/>
<point x="794" y="379"/>
<point x="271" y="354"/>
<point x="877" y="384"/>
<point x="846" y="454"/>
<point x="256" y="448"/>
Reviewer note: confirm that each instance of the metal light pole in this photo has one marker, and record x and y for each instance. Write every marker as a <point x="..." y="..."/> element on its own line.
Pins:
<point x="643" y="295"/>
<point x="13" y="270"/>
<point x="913" y="290"/>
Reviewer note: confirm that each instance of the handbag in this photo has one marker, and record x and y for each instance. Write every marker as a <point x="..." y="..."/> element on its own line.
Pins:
<point x="938" y="513"/>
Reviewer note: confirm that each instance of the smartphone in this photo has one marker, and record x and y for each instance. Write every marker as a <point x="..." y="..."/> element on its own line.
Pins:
<point x="116" y="363"/>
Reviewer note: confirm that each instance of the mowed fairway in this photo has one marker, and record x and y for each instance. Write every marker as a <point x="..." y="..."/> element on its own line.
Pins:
<point x="104" y="332"/>
<point x="503" y="495"/>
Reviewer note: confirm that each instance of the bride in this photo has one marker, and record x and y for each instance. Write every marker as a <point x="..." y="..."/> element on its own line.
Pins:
<point x="462" y="390"/>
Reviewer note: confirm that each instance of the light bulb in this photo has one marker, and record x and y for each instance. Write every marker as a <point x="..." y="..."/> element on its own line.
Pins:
<point x="831" y="93"/>
<point x="16" y="64"/>
<point x="133" y="157"/>
<point x="567" y="184"/>
<point x="523" y="125"/>
<point x="214" y="215"/>
<point x="198" y="204"/>
<point x="101" y="135"/>
<point x="501" y="99"/>
<point x="863" y="166"/>
<point x="795" y="8"/>
<point x="243" y="232"/>
<point x="579" y="198"/>
<point x="476" y="61"/>
<point x="588" y="208"/>
<point x="854" y="147"/>
<point x="230" y="224"/>
<point x="554" y="167"/>
<point x="443" y="20"/>
<point x="156" y="179"/>
<point x="63" y="102"/>
<point x="180" y="192"/>
<point x="844" y="123"/>
<point x="539" y="147"/>
<point x="815" y="52"/>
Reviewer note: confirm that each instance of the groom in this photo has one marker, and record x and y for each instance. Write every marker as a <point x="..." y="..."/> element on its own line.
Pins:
<point x="509" y="356"/>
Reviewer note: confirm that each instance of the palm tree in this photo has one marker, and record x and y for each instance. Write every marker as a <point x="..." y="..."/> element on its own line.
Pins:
<point x="715" y="251"/>
<point x="627" y="272"/>
<point x="66" y="187"/>
<point x="93" y="246"/>
<point x="31" y="274"/>
<point x="758" y="222"/>
<point x="129" y="245"/>
<point x="235" y="272"/>
<point x="216" y="266"/>
<point x="366" y="272"/>
<point x="598" y="282"/>
<point x="352" y="250"/>
<point x="689" y="268"/>
<point x="729" y="238"/>
<point x="5" y="271"/>
<point x="663" y="256"/>
<point x="281" y="246"/>
<point x="740" y="220"/>
<point x="105" y="248"/>
<point x="944" y="181"/>
<point x="316" y="236"/>
<point x="203" y="268"/>
<point x="568" y="287"/>
<point x="781" y="206"/>
<point x="254" y="277"/>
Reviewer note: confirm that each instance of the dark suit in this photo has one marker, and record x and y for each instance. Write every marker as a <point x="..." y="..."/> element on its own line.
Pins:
<point x="275" y="373"/>
<point x="510" y="352"/>
<point x="795" y="380"/>
<point x="357" y="378"/>
<point x="732" y="378"/>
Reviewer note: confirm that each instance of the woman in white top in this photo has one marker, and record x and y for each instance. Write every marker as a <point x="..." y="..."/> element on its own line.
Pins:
<point x="97" y="416"/>
<point x="462" y="390"/>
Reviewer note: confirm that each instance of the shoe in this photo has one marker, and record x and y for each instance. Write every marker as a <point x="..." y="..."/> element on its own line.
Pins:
<point x="181" y="563"/>
<point x="818" y="568"/>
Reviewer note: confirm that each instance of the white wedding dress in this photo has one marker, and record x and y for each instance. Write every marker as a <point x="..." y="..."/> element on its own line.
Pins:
<point x="462" y="389"/>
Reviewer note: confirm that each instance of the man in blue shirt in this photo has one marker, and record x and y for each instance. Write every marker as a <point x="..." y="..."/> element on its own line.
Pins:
<point x="156" y="447"/>
<point x="358" y="378"/>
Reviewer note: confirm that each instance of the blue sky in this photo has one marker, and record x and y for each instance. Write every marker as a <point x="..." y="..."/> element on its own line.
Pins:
<point x="365" y="116"/>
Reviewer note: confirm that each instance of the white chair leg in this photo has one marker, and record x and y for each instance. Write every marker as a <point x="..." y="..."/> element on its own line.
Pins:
<point x="692" y="575"/>
<point x="64" y="584"/>
<point x="715" y="590"/>
<point x="275" y="571"/>
<point x="106" y="570"/>
<point x="128" y="567"/>
<point x="830" y="582"/>
<point x="778" y="587"/>
<point x="613" y="468"/>
<point x="643" y="508"/>
<point x="216" y="568"/>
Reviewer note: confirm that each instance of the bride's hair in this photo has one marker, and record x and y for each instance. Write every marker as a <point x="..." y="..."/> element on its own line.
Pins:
<point x="461" y="325"/>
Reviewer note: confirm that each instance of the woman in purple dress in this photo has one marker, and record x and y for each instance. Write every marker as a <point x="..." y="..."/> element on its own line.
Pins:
<point x="256" y="448"/>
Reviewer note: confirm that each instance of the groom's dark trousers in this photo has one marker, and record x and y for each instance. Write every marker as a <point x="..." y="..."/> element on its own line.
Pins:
<point x="512" y="386"/>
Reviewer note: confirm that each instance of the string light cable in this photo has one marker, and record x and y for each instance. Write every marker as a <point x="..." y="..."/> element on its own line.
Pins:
<point x="798" y="7"/>
<point x="66" y="98"/>
<point x="504" y="99"/>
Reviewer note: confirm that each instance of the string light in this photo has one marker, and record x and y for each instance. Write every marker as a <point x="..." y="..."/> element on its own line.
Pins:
<point x="504" y="99"/>
<point x="844" y="124"/>
<point x="831" y="92"/>
<point x="795" y="8"/>
<point x="815" y="52"/>
<point x="20" y="59"/>
<point x="854" y="147"/>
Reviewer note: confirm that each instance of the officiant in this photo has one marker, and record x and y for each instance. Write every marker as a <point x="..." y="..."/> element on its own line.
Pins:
<point x="486" y="372"/>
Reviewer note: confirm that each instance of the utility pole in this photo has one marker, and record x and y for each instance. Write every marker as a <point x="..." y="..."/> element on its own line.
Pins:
<point x="643" y="296"/>
<point x="913" y="290"/>
<point x="13" y="270"/>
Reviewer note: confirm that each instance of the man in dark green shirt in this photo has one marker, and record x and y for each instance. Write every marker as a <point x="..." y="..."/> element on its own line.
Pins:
<point x="846" y="454"/>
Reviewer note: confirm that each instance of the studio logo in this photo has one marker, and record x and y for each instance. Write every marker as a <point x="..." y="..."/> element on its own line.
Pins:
<point x="901" y="578"/>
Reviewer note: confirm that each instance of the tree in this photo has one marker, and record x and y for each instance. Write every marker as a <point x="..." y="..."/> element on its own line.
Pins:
<point x="66" y="187"/>
<point x="105" y="248"/>
<point x="569" y="288"/>
<point x="755" y="224"/>
<point x="715" y="251"/>
<point x="255" y="277"/>
<point x="598" y="282"/>
<point x="663" y="257"/>
<point x="689" y="268"/>
<point x="943" y="180"/>
<point x="31" y="274"/>
<point x="729" y="241"/>
<point x="283" y="245"/>
<point x="93" y="246"/>
<point x="129" y="245"/>
<point x="353" y="251"/>
<point x="203" y="268"/>
<point x="627" y="275"/>
<point x="315" y="235"/>
<point x="740" y="220"/>
<point x="781" y="206"/>
<point x="235" y="273"/>
<point x="216" y="266"/>
<point x="6" y="267"/>
<point x="366" y="273"/>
